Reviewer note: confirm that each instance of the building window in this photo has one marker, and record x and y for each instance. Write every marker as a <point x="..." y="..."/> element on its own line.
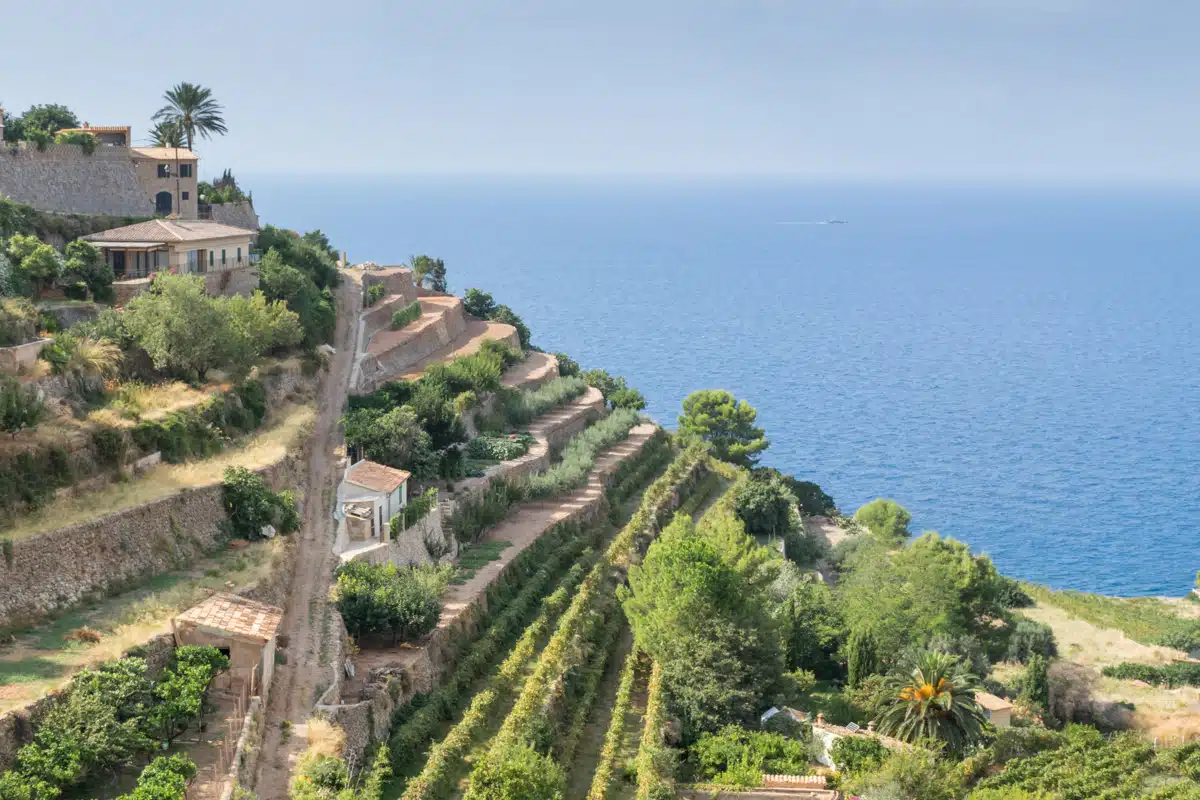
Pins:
<point x="185" y="170"/>
<point x="222" y="257"/>
<point x="211" y="255"/>
<point x="239" y="254"/>
<point x="185" y="195"/>
<point x="164" y="170"/>
<point x="192" y="260"/>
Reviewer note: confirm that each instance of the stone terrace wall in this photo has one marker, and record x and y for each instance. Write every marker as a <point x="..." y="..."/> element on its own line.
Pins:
<point x="64" y="179"/>
<point x="52" y="571"/>
<point x="239" y="215"/>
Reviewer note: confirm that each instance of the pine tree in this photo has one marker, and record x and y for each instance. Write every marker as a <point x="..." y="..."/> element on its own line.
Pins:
<point x="862" y="658"/>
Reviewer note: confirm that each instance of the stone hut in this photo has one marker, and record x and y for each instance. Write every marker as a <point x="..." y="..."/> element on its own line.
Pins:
<point x="240" y="628"/>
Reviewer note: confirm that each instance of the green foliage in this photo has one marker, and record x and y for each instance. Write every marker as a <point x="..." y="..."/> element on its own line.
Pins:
<point x="858" y="754"/>
<point x="193" y="110"/>
<point x="602" y="777"/>
<point x="934" y="698"/>
<point x="311" y="253"/>
<point x="375" y="292"/>
<point x="580" y="455"/>
<point x="764" y="506"/>
<point x="478" y="303"/>
<point x="203" y="430"/>
<point x="655" y="761"/>
<point x="410" y="313"/>
<point x="20" y="408"/>
<point x="395" y="438"/>
<point x="252" y="505"/>
<point x="913" y="774"/>
<point x="715" y="416"/>
<point x="381" y="599"/>
<point x="416" y="510"/>
<point x="569" y="368"/>
<point x="886" y="519"/>
<point x="85" y="140"/>
<point x="1175" y="674"/>
<point x="813" y="628"/>
<point x="516" y="772"/>
<point x="507" y="316"/>
<point x="18" y="322"/>
<point x="35" y="263"/>
<point x="933" y="586"/>
<point x="84" y="263"/>
<point x="313" y="306"/>
<point x="1148" y="620"/>
<point x="500" y="448"/>
<point x="429" y="270"/>
<point x="477" y="512"/>
<point x="1029" y="638"/>
<point x="1086" y="766"/>
<point x="702" y="620"/>
<point x="617" y="393"/>
<point x="812" y="500"/>
<point x="862" y="657"/>
<point x="518" y="408"/>
<point x="164" y="778"/>
<point x="737" y="757"/>
<point x="47" y="119"/>
<point x="187" y="333"/>
<point x="1011" y="595"/>
<point x="179" y="694"/>
<point x="1035" y="688"/>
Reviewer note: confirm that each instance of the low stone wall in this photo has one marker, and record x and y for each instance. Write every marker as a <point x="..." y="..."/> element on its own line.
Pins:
<point x="407" y="549"/>
<point x="22" y="356"/>
<point x="128" y="289"/>
<point x="63" y="178"/>
<point x="52" y="571"/>
<point x="229" y="282"/>
<point x="417" y="341"/>
<point x="245" y="754"/>
<point x="379" y="316"/>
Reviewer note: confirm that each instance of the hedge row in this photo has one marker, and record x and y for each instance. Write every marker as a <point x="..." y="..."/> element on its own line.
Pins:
<point x="205" y="429"/>
<point x="515" y="408"/>
<point x="437" y="775"/>
<point x="1178" y="673"/>
<point x="587" y="688"/>
<point x="416" y="510"/>
<point x="653" y="758"/>
<point x="615" y="735"/>
<point x="410" y="313"/>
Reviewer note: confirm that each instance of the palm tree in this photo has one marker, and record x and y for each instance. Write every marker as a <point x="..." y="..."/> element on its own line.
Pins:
<point x="194" y="110"/>
<point x="166" y="133"/>
<point x="933" y="698"/>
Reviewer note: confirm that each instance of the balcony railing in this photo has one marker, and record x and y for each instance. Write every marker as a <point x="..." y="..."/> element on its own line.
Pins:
<point x="228" y="264"/>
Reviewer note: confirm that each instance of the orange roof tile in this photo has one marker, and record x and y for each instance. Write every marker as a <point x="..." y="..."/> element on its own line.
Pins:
<point x="164" y="153"/>
<point x="237" y="616"/>
<point x="377" y="477"/>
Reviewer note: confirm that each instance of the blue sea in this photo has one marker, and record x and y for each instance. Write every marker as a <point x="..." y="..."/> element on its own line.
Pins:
<point x="1017" y="366"/>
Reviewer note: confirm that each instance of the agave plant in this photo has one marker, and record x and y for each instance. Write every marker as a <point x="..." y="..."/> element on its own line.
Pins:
<point x="933" y="698"/>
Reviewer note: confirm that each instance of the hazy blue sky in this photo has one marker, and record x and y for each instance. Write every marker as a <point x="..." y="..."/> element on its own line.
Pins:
<point x="930" y="89"/>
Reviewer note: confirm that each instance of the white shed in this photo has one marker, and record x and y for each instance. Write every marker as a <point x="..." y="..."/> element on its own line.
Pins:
<point x="370" y="495"/>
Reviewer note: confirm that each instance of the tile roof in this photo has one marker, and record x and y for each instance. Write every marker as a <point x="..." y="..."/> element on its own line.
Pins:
<point x="377" y="477"/>
<point x="170" y="230"/>
<point x="164" y="153"/>
<point x="991" y="702"/>
<point x="98" y="129"/>
<point x="237" y="616"/>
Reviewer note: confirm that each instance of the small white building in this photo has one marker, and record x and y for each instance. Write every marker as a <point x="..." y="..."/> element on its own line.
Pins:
<point x="370" y="495"/>
<point x="995" y="710"/>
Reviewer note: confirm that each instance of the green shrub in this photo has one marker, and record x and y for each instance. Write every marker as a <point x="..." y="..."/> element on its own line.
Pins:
<point x="516" y="772"/>
<point x="602" y="778"/>
<point x="179" y="694"/>
<point x="478" y="303"/>
<point x="85" y="140"/>
<point x="20" y="408"/>
<point x="567" y="366"/>
<point x="499" y="448"/>
<point x="738" y="757"/>
<point x="1029" y="637"/>
<point x="252" y="505"/>
<point x="1175" y="674"/>
<point x="886" y="519"/>
<point x="19" y="321"/>
<point x="764" y="506"/>
<point x="415" y="511"/>
<point x="410" y="313"/>
<point x="858" y="754"/>
<point x="375" y="293"/>
<point x="164" y="778"/>
<point x="111" y="445"/>
<point x="580" y="455"/>
<point x="381" y="599"/>
<point x="518" y="408"/>
<point x="477" y="512"/>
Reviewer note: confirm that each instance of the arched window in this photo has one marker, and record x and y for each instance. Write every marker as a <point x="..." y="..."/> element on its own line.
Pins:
<point x="162" y="203"/>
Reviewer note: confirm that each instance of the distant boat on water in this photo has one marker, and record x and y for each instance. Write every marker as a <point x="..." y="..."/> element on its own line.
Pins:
<point x="835" y="222"/>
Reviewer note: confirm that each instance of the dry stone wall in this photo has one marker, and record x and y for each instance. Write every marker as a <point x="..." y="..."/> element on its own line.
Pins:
<point x="239" y="215"/>
<point x="65" y="179"/>
<point x="52" y="571"/>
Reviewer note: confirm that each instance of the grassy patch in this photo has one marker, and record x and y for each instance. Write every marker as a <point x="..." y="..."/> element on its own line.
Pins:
<point x="477" y="556"/>
<point x="254" y="452"/>
<point x="1143" y="619"/>
<point x="41" y="659"/>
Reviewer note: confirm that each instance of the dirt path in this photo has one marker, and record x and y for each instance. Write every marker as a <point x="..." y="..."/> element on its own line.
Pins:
<point x="622" y="789"/>
<point x="306" y="620"/>
<point x="591" y="741"/>
<point x="827" y="531"/>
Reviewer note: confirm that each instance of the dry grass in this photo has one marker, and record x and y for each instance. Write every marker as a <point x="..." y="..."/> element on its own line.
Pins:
<point x="254" y="452"/>
<point x="324" y="738"/>
<point x="1159" y="712"/>
<point x="41" y="660"/>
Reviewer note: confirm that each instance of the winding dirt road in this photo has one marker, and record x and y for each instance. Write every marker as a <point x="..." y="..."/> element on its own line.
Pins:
<point x="306" y="621"/>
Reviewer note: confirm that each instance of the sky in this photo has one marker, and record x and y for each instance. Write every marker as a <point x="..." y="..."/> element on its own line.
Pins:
<point x="938" y="90"/>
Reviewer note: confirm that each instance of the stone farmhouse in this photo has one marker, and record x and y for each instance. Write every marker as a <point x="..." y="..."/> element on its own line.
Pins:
<point x="116" y="178"/>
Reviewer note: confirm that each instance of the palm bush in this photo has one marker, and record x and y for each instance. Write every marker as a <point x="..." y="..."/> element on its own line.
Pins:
<point x="933" y="698"/>
<point x="192" y="110"/>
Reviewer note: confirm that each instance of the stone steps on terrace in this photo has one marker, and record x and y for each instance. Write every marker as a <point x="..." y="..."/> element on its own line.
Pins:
<point x="423" y="661"/>
<point x="536" y="369"/>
